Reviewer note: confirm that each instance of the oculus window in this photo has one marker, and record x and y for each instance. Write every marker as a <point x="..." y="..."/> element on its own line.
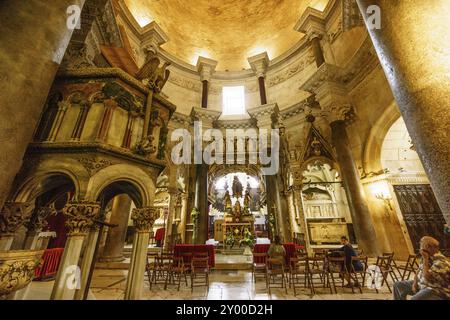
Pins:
<point x="233" y="100"/>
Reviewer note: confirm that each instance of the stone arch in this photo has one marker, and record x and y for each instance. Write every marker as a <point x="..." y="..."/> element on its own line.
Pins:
<point x="137" y="177"/>
<point x="31" y="184"/>
<point x="372" y="150"/>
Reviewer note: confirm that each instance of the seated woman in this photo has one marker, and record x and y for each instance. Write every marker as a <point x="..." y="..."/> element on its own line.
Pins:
<point x="276" y="249"/>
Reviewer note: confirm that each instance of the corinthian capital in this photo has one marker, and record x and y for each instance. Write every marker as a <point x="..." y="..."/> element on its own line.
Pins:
<point x="144" y="218"/>
<point x="340" y="112"/>
<point x="39" y="217"/>
<point x="81" y="216"/>
<point x="14" y="215"/>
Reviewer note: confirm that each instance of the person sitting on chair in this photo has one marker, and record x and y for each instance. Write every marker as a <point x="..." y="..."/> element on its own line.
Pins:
<point x="350" y="252"/>
<point x="276" y="248"/>
<point x="433" y="279"/>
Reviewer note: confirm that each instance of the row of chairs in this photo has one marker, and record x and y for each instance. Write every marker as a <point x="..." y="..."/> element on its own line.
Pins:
<point x="167" y="269"/>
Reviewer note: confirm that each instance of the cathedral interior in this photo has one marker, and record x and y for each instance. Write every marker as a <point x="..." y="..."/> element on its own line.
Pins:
<point x="101" y="99"/>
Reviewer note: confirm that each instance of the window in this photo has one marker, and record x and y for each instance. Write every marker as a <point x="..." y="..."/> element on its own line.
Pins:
<point x="233" y="100"/>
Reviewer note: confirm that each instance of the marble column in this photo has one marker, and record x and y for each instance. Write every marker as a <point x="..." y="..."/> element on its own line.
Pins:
<point x="361" y="218"/>
<point x="276" y="199"/>
<point x="13" y="216"/>
<point x="62" y="109"/>
<point x="87" y="260"/>
<point x="115" y="240"/>
<point x="81" y="216"/>
<point x="205" y="68"/>
<point x="317" y="49"/>
<point x="183" y="218"/>
<point x="205" y="87"/>
<point x="33" y="39"/>
<point x="143" y="219"/>
<point x="413" y="45"/>
<point x="35" y="225"/>
<point x="110" y="106"/>
<point x="259" y="64"/>
<point x="81" y="120"/>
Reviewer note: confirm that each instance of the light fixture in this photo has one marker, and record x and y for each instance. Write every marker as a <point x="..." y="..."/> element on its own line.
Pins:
<point x="381" y="191"/>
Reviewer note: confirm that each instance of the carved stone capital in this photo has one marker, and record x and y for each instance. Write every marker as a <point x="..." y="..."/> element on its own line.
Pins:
<point x="340" y="112"/>
<point x="39" y="217"/>
<point x="259" y="64"/>
<point x="17" y="270"/>
<point x="14" y="215"/>
<point x="81" y="216"/>
<point x="143" y="218"/>
<point x="206" y="68"/>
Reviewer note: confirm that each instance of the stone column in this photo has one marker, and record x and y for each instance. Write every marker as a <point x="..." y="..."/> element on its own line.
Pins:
<point x="259" y="64"/>
<point x="81" y="216"/>
<point x="62" y="109"/>
<point x="110" y="106"/>
<point x="143" y="219"/>
<point x="31" y="49"/>
<point x="314" y="27"/>
<point x="81" y="120"/>
<point x="12" y="217"/>
<point x="362" y="220"/>
<point x="35" y="225"/>
<point x="205" y="68"/>
<point x="173" y="198"/>
<point x="183" y="218"/>
<point x="87" y="260"/>
<point x="115" y="241"/>
<point x="414" y="49"/>
<point x="126" y="143"/>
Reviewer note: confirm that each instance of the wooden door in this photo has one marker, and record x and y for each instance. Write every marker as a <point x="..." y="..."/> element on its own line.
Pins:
<point x="422" y="214"/>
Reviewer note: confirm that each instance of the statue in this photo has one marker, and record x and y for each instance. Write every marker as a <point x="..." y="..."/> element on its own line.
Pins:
<point x="227" y="203"/>
<point x="237" y="211"/>
<point x="247" y="202"/>
<point x="237" y="187"/>
<point x="157" y="78"/>
<point x="195" y="215"/>
<point x="230" y="239"/>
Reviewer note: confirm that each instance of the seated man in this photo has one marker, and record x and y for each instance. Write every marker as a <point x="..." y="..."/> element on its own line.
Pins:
<point x="349" y="252"/>
<point x="433" y="279"/>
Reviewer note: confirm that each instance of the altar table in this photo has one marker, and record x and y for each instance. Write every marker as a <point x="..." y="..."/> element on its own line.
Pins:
<point x="290" y="249"/>
<point x="190" y="248"/>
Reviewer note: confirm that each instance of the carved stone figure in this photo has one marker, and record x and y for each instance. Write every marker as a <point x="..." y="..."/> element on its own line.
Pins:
<point x="237" y="187"/>
<point x="195" y="216"/>
<point x="247" y="202"/>
<point x="14" y="215"/>
<point x="156" y="76"/>
<point x="227" y="203"/>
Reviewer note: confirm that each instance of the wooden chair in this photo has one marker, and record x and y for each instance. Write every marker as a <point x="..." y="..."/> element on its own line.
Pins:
<point x="383" y="266"/>
<point x="150" y="266"/>
<point x="317" y="266"/>
<point x="337" y="266"/>
<point x="199" y="270"/>
<point x="175" y="272"/>
<point x="362" y="273"/>
<point x="275" y="270"/>
<point x="259" y="265"/>
<point x="152" y="240"/>
<point x="187" y="259"/>
<point x="298" y="268"/>
<point x="161" y="270"/>
<point x="411" y="266"/>
<point x="394" y="266"/>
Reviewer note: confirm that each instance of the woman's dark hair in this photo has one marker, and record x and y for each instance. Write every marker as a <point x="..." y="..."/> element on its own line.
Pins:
<point x="344" y="238"/>
<point x="277" y="240"/>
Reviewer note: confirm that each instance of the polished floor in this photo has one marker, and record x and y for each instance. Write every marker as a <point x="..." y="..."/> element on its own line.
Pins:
<point x="224" y="285"/>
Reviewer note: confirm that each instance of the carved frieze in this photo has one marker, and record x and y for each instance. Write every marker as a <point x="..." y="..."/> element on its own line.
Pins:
<point x="293" y="70"/>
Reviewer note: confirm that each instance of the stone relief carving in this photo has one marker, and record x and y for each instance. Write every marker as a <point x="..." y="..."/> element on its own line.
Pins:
<point x="94" y="165"/>
<point x="38" y="219"/>
<point x="81" y="216"/>
<point x="185" y="83"/>
<point x="14" y="215"/>
<point x="351" y="15"/>
<point x="293" y="70"/>
<point x="143" y="218"/>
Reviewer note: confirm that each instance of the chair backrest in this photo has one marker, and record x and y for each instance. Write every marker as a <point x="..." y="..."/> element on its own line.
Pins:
<point x="337" y="264"/>
<point x="275" y="263"/>
<point x="317" y="262"/>
<point x="178" y="262"/>
<point x="362" y="259"/>
<point x="163" y="261"/>
<point x="298" y="264"/>
<point x="384" y="262"/>
<point x="412" y="261"/>
<point x="201" y="254"/>
<point x="199" y="263"/>
<point x="259" y="257"/>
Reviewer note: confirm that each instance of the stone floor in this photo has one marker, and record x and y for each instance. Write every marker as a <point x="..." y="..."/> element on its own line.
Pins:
<point x="224" y="285"/>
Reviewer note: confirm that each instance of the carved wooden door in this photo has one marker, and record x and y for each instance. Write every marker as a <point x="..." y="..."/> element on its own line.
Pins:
<point x="422" y="214"/>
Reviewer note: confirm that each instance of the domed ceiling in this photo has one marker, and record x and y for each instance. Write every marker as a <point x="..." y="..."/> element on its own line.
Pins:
<point x="228" y="31"/>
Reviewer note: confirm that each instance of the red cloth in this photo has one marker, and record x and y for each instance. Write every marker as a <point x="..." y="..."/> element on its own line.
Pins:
<point x="189" y="248"/>
<point x="264" y="248"/>
<point x="50" y="264"/>
<point x="159" y="236"/>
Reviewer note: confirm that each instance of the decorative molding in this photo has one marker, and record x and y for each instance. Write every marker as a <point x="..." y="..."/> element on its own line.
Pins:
<point x="292" y="70"/>
<point x="185" y="83"/>
<point x="39" y="217"/>
<point x="94" y="165"/>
